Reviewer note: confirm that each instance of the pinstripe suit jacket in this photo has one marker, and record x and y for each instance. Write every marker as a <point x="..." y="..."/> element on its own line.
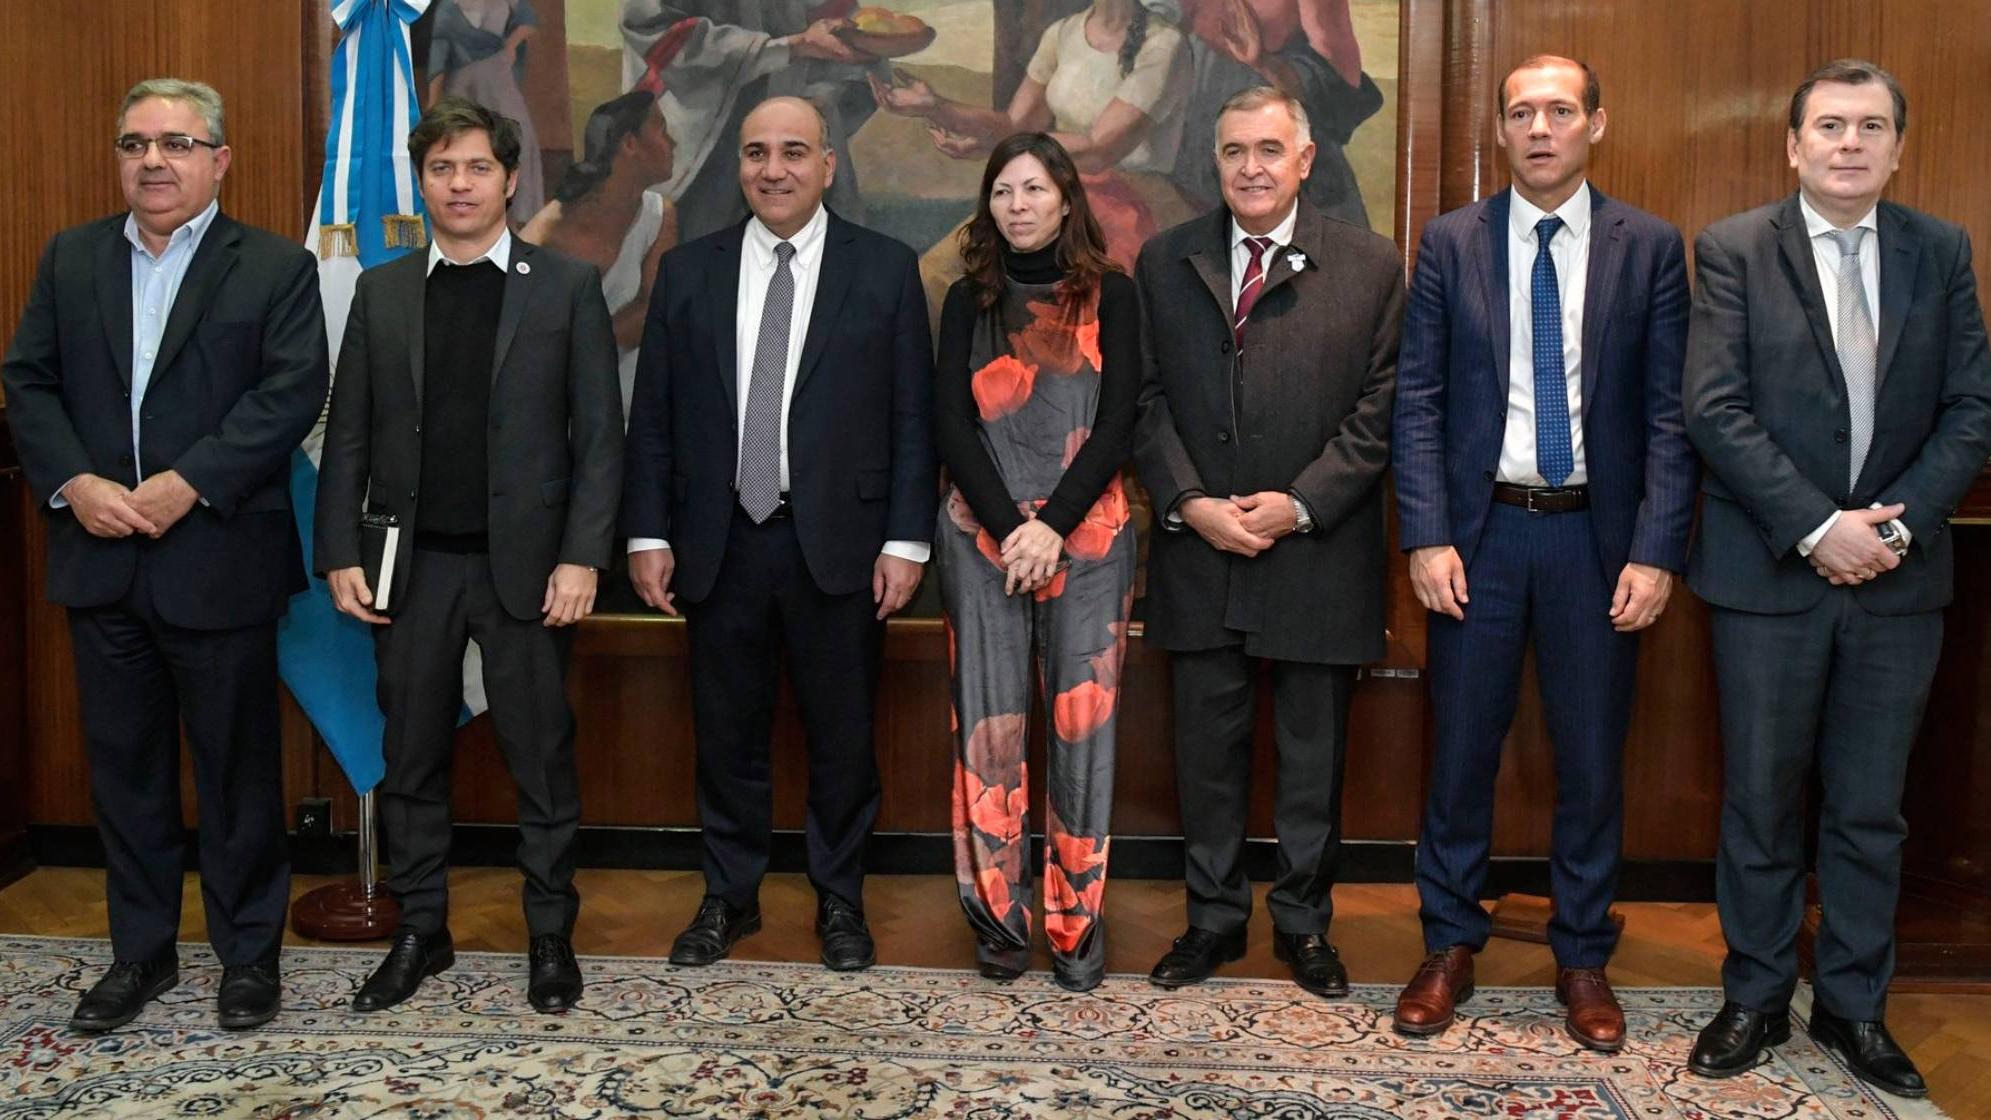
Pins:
<point x="1451" y="404"/>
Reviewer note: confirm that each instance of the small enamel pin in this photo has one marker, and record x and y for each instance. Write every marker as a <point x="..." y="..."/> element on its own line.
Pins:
<point x="523" y="268"/>
<point x="1296" y="260"/>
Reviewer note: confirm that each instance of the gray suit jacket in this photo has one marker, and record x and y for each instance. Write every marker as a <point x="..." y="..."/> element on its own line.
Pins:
<point x="1766" y="406"/>
<point x="555" y="429"/>
<point x="1308" y="411"/>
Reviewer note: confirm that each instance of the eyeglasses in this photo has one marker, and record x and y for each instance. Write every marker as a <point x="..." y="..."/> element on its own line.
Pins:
<point x="172" y="145"/>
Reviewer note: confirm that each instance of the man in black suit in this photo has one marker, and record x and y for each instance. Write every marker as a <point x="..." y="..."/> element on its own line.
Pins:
<point x="1262" y="439"/>
<point x="1837" y="384"/>
<point x="781" y="483"/>
<point x="168" y="363"/>
<point x="476" y="403"/>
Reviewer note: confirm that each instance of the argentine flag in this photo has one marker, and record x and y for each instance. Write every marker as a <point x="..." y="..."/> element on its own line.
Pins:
<point x="368" y="212"/>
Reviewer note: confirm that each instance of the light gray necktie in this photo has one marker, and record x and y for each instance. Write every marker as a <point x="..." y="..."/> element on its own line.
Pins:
<point x="1859" y="347"/>
<point x="760" y="435"/>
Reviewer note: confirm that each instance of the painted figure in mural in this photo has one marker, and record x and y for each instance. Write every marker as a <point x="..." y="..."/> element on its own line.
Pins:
<point x="1263" y="433"/>
<point x="1036" y="381"/>
<point x="1109" y="83"/>
<point x="1305" y="48"/>
<point x="712" y="61"/>
<point x="168" y="363"/>
<point x="781" y="487"/>
<point x="477" y="51"/>
<point x="608" y="213"/>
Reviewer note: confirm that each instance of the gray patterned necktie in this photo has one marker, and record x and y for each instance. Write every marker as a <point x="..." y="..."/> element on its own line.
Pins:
<point x="1859" y="347"/>
<point x="760" y="435"/>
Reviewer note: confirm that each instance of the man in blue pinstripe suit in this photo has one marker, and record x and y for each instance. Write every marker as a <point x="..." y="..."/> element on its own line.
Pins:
<point x="1544" y="487"/>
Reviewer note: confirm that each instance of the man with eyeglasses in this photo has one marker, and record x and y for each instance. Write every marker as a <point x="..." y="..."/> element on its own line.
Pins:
<point x="169" y="361"/>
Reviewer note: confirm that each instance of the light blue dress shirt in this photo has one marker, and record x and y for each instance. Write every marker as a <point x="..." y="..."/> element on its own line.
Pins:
<point x="155" y="281"/>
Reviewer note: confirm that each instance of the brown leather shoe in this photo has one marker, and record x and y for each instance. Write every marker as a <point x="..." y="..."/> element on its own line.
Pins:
<point x="1443" y="980"/>
<point x="1595" y="1019"/>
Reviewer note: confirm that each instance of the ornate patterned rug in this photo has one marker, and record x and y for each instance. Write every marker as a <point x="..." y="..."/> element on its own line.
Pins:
<point x="777" y="1040"/>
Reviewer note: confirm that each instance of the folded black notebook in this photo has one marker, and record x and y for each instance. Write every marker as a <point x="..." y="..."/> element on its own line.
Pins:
<point x="379" y="544"/>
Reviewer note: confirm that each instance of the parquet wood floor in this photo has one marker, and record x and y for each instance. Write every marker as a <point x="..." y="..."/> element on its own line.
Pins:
<point x="917" y="922"/>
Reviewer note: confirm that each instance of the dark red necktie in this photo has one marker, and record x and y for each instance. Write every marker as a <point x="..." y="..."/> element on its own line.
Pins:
<point x="1254" y="283"/>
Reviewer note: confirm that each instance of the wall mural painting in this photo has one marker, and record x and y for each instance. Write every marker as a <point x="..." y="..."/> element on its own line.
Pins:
<point x="630" y="109"/>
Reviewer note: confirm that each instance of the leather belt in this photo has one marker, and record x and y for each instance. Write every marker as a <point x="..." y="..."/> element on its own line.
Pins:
<point x="1543" y="499"/>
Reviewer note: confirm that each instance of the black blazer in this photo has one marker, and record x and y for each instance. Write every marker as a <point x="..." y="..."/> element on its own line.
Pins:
<point x="1307" y="410"/>
<point x="555" y="429"/>
<point x="861" y="462"/>
<point x="1452" y="381"/>
<point x="1766" y="405"/>
<point x="239" y="381"/>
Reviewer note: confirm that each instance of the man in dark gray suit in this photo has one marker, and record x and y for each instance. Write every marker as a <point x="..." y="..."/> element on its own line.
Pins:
<point x="477" y="405"/>
<point x="1838" y="385"/>
<point x="1262" y="440"/>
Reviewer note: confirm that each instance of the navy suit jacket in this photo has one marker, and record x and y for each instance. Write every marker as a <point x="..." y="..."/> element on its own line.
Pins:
<point x="1766" y="403"/>
<point x="1452" y="381"/>
<point x="861" y="463"/>
<point x="239" y="380"/>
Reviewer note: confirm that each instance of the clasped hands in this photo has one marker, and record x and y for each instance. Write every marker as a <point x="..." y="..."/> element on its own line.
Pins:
<point x="1851" y="551"/>
<point x="1245" y="524"/>
<point x="109" y="509"/>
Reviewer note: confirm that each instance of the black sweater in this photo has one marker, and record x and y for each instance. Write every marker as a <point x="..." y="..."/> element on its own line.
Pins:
<point x="957" y="424"/>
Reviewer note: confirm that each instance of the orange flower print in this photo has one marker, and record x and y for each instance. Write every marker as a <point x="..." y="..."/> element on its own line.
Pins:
<point x="995" y="749"/>
<point x="1073" y="442"/>
<point x="1069" y="913"/>
<point x="1046" y="341"/>
<point x="990" y="550"/>
<point x="994" y="889"/>
<point x="1080" y="854"/>
<point x="1002" y="387"/>
<point x="995" y="811"/>
<point x="1088" y="343"/>
<point x="1052" y="589"/>
<point x="1082" y="709"/>
<point x="1091" y="539"/>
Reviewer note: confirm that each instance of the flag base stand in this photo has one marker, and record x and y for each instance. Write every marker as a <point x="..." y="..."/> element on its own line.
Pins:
<point x="355" y="910"/>
<point x="346" y="911"/>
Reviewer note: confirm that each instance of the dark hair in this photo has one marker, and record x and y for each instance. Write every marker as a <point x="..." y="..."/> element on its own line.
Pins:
<point x="1593" y="94"/>
<point x="1081" y="245"/>
<point x="1137" y="34"/>
<point x="451" y="117"/>
<point x="1853" y="72"/>
<point x="607" y="126"/>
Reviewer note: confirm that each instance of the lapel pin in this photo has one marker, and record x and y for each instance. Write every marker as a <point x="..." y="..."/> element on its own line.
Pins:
<point x="524" y="268"/>
<point x="1296" y="260"/>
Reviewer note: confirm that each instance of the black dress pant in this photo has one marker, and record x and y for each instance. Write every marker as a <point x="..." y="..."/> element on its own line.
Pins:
<point x="765" y="604"/>
<point x="1216" y="692"/>
<point x="452" y="600"/>
<point x="138" y="678"/>
<point x="1838" y="692"/>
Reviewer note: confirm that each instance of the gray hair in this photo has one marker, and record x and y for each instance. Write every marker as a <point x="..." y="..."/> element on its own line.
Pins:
<point x="200" y="95"/>
<point x="1257" y="97"/>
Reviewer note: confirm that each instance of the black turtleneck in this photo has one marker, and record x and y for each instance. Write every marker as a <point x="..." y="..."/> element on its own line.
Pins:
<point x="957" y="423"/>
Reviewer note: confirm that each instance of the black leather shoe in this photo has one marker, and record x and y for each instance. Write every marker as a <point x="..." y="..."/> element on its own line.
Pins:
<point x="1195" y="957"/>
<point x="1869" y="1051"/>
<point x="1316" y="965"/>
<point x="410" y="960"/>
<point x="711" y="934"/>
<point x="556" y="975"/>
<point x="985" y="963"/>
<point x="1734" y="1042"/>
<point x="847" y="944"/>
<point x="124" y="991"/>
<point x="250" y="994"/>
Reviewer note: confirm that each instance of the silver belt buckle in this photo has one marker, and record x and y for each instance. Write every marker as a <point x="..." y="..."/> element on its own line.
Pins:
<point x="1532" y="491"/>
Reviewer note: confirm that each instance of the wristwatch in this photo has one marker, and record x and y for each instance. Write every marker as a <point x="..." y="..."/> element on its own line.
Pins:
<point x="1303" y="522"/>
<point x="1892" y="538"/>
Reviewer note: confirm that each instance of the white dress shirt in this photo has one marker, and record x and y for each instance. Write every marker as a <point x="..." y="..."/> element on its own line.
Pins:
<point x="1281" y="235"/>
<point x="1825" y="253"/>
<point x="1569" y="249"/>
<point x="500" y="254"/>
<point x="757" y="265"/>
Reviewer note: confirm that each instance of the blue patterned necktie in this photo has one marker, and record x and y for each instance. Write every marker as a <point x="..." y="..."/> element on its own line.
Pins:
<point x="760" y="435"/>
<point x="1554" y="456"/>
